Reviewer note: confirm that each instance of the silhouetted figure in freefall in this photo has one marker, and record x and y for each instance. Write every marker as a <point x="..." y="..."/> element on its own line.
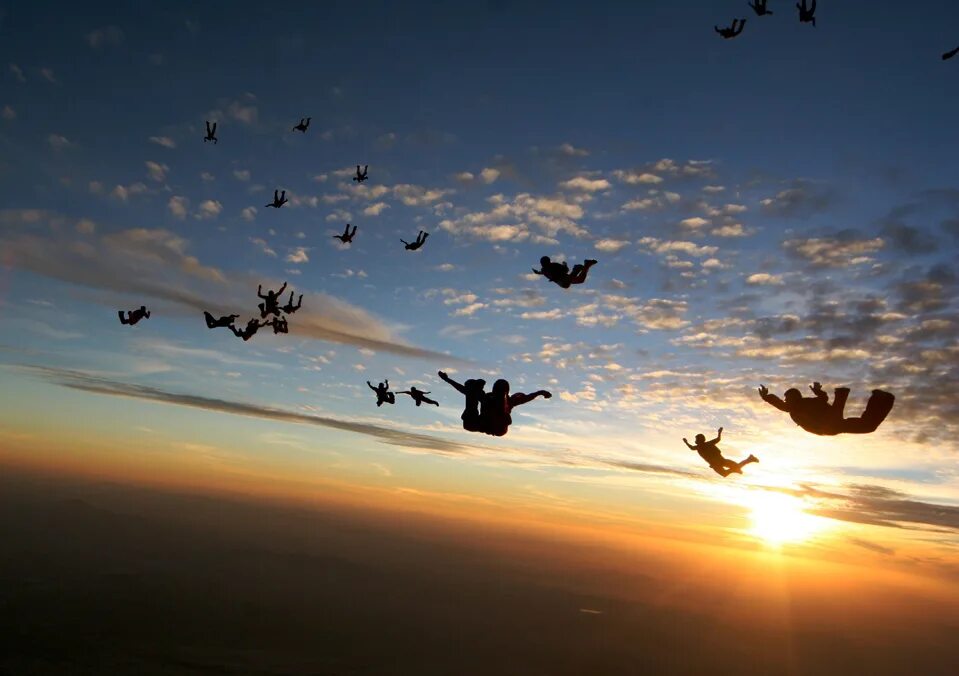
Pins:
<point x="416" y="243"/>
<point x="279" y="199"/>
<point x="249" y="330"/>
<point x="303" y="125"/>
<point x="383" y="394"/>
<point x="224" y="322"/>
<point x="279" y="325"/>
<point x="419" y="396"/>
<point x="497" y="405"/>
<point x="560" y="274"/>
<point x="709" y="451"/>
<point x="816" y="415"/>
<point x="949" y="55"/>
<point x="759" y="6"/>
<point x="807" y="14"/>
<point x="474" y="393"/>
<point x="290" y="308"/>
<point x="271" y="301"/>
<point x="133" y="316"/>
<point x="347" y="236"/>
<point x="210" y="132"/>
<point x="731" y="31"/>
<point x="361" y="175"/>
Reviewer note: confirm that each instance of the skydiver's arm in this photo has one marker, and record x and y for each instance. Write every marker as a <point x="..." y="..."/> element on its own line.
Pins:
<point x="772" y="399"/>
<point x="719" y="437"/>
<point x="520" y="398"/>
<point x="458" y="387"/>
<point x="259" y="291"/>
<point x="691" y="447"/>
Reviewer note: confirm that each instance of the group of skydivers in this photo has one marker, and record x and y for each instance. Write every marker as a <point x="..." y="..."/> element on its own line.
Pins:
<point x="490" y="412"/>
<point x="807" y="14"/>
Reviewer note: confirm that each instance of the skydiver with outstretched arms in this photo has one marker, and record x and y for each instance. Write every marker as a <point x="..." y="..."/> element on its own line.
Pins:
<point x="474" y="392"/>
<point x="731" y="31"/>
<point x="134" y="316"/>
<point x="383" y="394"/>
<point x="347" y="236"/>
<point x="709" y="451"/>
<point x="419" y="396"/>
<point x="498" y="404"/>
<point x="816" y="415"/>
<point x="224" y="322"/>
<point x="290" y="308"/>
<point x="249" y="330"/>
<point x="270" y="304"/>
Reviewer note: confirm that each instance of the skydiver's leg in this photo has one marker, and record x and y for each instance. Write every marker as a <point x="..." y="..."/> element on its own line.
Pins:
<point x="210" y="322"/>
<point x="430" y="401"/>
<point x="840" y="394"/>
<point x="877" y="408"/>
<point x="721" y="471"/>
<point x="122" y="320"/>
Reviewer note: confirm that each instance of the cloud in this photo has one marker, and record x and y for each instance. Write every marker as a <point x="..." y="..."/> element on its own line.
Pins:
<point x="489" y="175"/>
<point x="48" y="75"/>
<point x="157" y="171"/>
<point x="586" y="184"/>
<point x="510" y="219"/>
<point x="247" y="113"/>
<point x="637" y="177"/>
<point x="611" y="245"/>
<point x="241" y="174"/>
<point x="154" y="265"/>
<point x="248" y="214"/>
<point x="765" y="279"/>
<point x="208" y="209"/>
<point x="59" y="142"/>
<point x="178" y="206"/>
<point x="125" y="192"/>
<point x="802" y="200"/>
<point x="418" y="196"/>
<point x="834" y="252"/>
<point x="297" y="256"/>
<point x="85" y="382"/>
<point x="164" y="141"/>
<point x="263" y="246"/>
<point x="732" y="230"/>
<point x="104" y="36"/>
<point x="670" y="246"/>
<point x="17" y="72"/>
<point x="694" y="222"/>
<point x="569" y="150"/>
<point x="8" y="113"/>
<point x="375" y="209"/>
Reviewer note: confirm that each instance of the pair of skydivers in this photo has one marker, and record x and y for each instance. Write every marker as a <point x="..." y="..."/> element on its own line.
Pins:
<point x="560" y="274"/>
<point x="416" y="243"/>
<point x="279" y="325"/>
<point x="384" y="396"/>
<point x="807" y="14"/>
<point x="489" y="412"/>
<point x="271" y="302"/>
<point x="814" y="414"/>
<point x="134" y="316"/>
<point x="279" y="199"/>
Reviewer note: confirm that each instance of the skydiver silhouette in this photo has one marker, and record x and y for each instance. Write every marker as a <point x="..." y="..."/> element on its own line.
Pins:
<point x="816" y="415"/>
<point x="949" y="55"/>
<point x="347" y="236"/>
<point x="731" y="31"/>
<point x="279" y="325"/>
<point x="759" y="6"/>
<point x="807" y="14"/>
<point x="133" y="316"/>
<point x="226" y="321"/>
<point x="709" y="451"/>
<point x="497" y="405"/>
<point x="416" y="243"/>
<point x="290" y="308"/>
<point x="419" y="396"/>
<point x="474" y="393"/>
<point x="303" y="125"/>
<point x="361" y="175"/>
<point x="560" y="274"/>
<point x="383" y="394"/>
<point x="279" y="199"/>
<point x="249" y="331"/>
<point x="210" y="132"/>
<point x="270" y="304"/>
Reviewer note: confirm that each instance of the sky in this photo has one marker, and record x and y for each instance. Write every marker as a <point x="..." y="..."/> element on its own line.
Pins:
<point x="777" y="209"/>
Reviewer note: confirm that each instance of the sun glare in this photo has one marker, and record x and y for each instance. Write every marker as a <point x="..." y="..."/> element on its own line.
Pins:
<point x="781" y="519"/>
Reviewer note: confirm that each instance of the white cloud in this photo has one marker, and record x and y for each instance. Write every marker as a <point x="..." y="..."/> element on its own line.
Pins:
<point x="611" y="245"/>
<point x="637" y="178"/>
<point x="375" y="209"/>
<point x="59" y="142"/>
<point x="570" y="150"/>
<point x="297" y="255"/>
<point x="765" y="279"/>
<point x="125" y="192"/>
<point x="670" y="246"/>
<point x="489" y="175"/>
<point x="468" y="310"/>
<point x="247" y="113"/>
<point x="543" y="315"/>
<point x="157" y="171"/>
<point x="464" y="177"/>
<point x="86" y="227"/>
<point x="178" y="206"/>
<point x="263" y="246"/>
<point x="164" y="141"/>
<point x="694" y="222"/>
<point x="241" y="174"/>
<point x="731" y="230"/>
<point x="248" y="214"/>
<point x="209" y="209"/>
<point x="586" y="184"/>
<point x="415" y="195"/>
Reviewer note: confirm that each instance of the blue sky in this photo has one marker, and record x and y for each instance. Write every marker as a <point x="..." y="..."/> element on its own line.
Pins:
<point x="778" y="208"/>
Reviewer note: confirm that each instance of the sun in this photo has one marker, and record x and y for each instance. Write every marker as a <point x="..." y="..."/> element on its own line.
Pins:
<point x="781" y="519"/>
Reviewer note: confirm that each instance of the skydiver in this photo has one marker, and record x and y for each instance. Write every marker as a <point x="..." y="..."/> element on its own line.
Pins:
<point x="816" y="415"/>
<point x="290" y="308"/>
<point x="383" y="394"/>
<point x="709" y="451"/>
<point x="270" y="304"/>
<point x="210" y="132"/>
<point x="279" y="199"/>
<point x="250" y="330"/>
<point x="347" y="236"/>
<point x="225" y="321"/>
<point x="416" y="243"/>
<point x="134" y="316"/>
<point x="303" y="125"/>
<point x="419" y="396"/>
<point x="807" y="14"/>
<point x="759" y="6"/>
<point x="361" y="175"/>
<point x="560" y="274"/>
<point x="731" y="31"/>
<point x="474" y="393"/>
<point x="498" y="404"/>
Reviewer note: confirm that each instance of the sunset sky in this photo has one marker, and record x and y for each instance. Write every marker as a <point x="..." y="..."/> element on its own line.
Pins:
<point x="776" y="209"/>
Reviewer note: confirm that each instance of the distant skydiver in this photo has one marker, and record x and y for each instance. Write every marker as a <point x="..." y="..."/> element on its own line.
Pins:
<point x="807" y="14"/>
<point x="361" y="175"/>
<point x="416" y="243"/>
<point x="760" y="7"/>
<point x="210" y="132"/>
<point x="473" y="391"/>
<point x="279" y="199"/>
<point x="731" y="31"/>
<point x="223" y="322"/>
<point x="383" y="394"/>
<point x="270" y="304"/>
<point x="250" y="330"/>
<point x="133" y="316"/>
<point x="419" y="396"/>
<point x="303" y="125"/>
<point x="347" y="236"/>
<point x="709" y="451"/>
<point x="559" y="273"/>
<point x="290" y="308"/>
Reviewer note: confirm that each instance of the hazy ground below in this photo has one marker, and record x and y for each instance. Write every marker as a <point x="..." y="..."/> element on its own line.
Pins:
<point x="109" y="579"/>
